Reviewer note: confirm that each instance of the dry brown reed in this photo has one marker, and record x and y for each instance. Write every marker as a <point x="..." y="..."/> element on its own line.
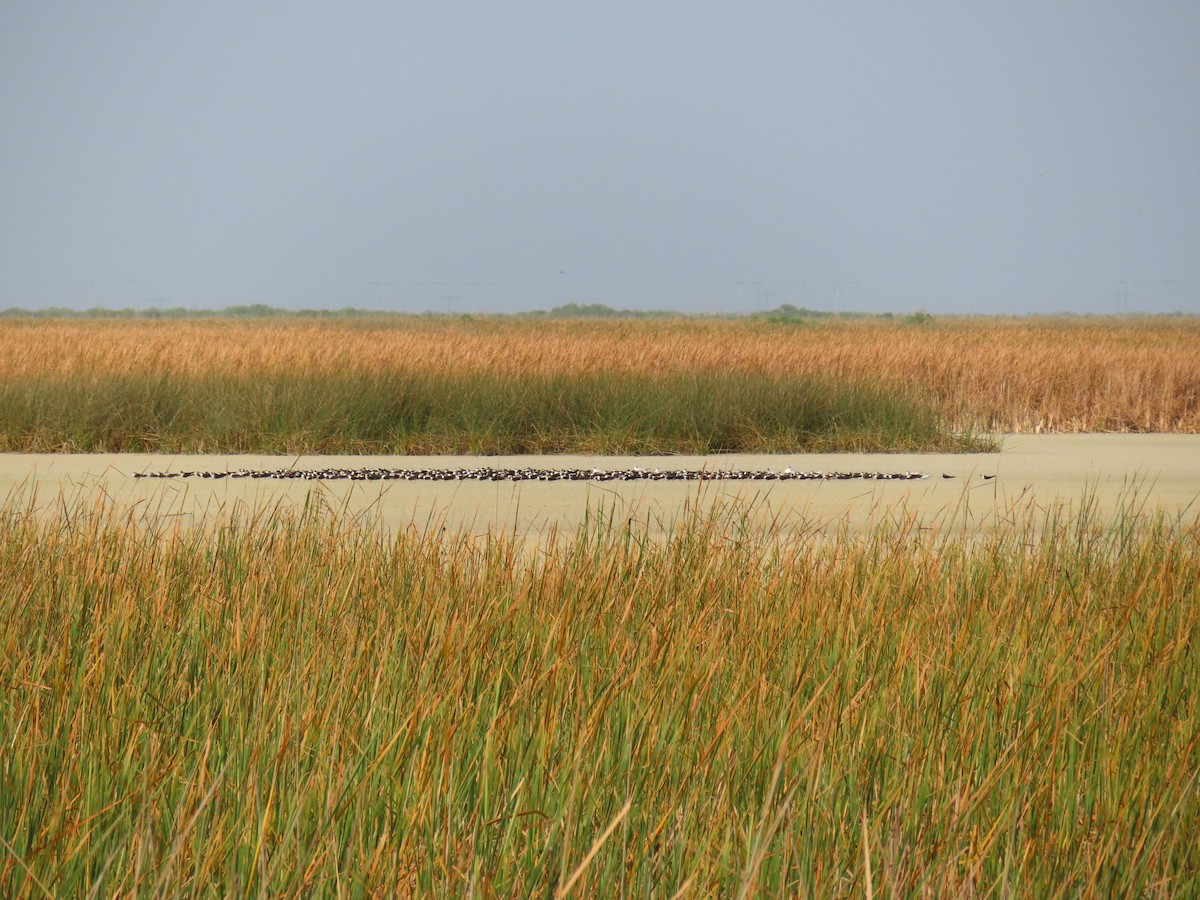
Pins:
<point x="1002" y="375"/>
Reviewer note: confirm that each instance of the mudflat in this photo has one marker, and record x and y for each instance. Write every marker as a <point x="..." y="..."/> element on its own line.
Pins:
<point x="1050" y="472"/>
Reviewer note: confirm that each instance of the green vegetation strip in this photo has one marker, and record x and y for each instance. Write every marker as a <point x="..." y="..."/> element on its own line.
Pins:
<point x="301" y="705"/>
<point x="427" y="413"/>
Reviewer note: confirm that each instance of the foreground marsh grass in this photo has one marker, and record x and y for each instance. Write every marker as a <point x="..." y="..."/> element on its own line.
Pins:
<point x="301" y="704"/>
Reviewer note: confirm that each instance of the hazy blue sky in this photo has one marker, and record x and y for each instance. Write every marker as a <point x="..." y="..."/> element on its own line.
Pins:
<point x="952" y="156"/>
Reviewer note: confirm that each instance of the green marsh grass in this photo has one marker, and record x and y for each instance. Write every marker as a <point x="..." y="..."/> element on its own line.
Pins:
<point x="472" y="412"/>
<point x="301" y="704"/>
<point x="982" y="374"/>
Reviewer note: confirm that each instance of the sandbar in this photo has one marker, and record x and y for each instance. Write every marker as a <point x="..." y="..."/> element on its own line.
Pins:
<point x="1043" y="472"/>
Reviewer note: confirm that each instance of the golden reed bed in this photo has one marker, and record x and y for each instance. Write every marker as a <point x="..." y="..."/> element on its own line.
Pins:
<point x="1004" y="375"/>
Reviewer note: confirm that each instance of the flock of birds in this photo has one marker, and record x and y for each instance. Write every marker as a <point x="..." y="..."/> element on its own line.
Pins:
<point x="527" y="474"/>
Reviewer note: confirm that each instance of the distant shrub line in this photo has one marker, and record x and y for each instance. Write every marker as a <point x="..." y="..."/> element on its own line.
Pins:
<point x="261" y="310"/>
<point x="785" y="312"/>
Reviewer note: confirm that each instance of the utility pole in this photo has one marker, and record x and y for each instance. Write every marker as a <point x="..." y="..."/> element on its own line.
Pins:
<point x="378" y="291"/>
<point x="426" y="292"/>
<point x="742" y="285"/>
<point x="837" y="293"/>
<point x="1128" y="289"/>
<point x="1168" y="285"/>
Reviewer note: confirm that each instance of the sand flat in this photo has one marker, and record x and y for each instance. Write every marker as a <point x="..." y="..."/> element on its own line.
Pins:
<point x="1043" y="471"/>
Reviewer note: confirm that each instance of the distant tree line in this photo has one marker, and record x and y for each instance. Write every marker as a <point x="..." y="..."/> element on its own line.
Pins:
<point x="784" y="313"/>
<point x="788" y="313"/>
<point x="245" y="311"/>
<point x="262" y="310"/>
<point x="600" y="311"/>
